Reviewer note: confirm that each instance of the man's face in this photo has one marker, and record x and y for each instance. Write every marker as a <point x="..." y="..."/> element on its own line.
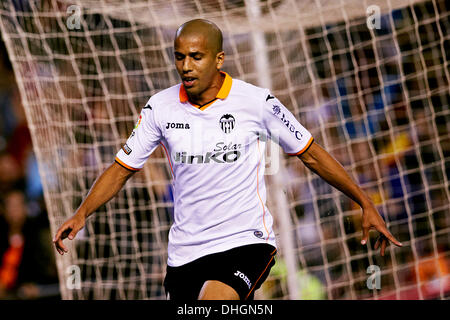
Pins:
<point x="196" y="63"/>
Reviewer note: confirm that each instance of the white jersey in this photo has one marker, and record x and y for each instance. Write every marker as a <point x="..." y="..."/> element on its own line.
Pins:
<point x="216" y="154"/>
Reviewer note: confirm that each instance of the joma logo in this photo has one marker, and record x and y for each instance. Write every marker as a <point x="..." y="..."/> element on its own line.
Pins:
<point x="243" y="277"/>
<point x="177" y="125"/>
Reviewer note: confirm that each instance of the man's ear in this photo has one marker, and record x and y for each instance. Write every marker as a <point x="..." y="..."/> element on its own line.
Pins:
<point x="220" y="58"/>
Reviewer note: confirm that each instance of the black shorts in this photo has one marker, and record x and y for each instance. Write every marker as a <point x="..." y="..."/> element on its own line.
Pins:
<point x="243" y="268"/>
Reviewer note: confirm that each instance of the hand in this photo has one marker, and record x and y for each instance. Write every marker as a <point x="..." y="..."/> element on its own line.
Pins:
<point x="372" y="220"/>
<point x="69" y="229"/>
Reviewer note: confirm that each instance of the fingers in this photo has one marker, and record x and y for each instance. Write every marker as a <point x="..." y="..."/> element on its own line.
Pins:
<point x="58" y="234"/>
<point x="372" y="219"/>
<point x="389" y="236"/>
<point x="58" y="241"/>
<point x="365" y="236"/>
<point x="377" y="243"/>
<point x="60" y="247"/>
<point x="384" y="244"/>
<point x="73" y="233"/>
<point x="67" y="230"/>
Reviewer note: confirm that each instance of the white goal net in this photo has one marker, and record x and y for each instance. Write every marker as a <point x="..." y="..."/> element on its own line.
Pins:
<point x="369" y="79"/>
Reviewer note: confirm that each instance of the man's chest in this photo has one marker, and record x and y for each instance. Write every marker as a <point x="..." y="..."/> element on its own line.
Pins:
<point x="222" y="135"/>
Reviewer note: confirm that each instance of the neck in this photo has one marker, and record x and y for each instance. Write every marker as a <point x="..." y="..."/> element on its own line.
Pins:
<point x="210" y="93"/>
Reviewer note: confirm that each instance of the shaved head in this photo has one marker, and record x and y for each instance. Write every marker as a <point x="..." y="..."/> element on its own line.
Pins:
<point x="202" y="28"/>
<point x="198" y="58"/>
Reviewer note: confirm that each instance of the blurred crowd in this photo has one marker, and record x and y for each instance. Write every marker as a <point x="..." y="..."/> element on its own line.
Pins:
<point x="27" y="263"/>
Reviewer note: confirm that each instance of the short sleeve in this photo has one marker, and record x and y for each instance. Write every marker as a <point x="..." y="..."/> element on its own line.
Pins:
<point x="283" y="128"/>
<point x="142" y="142"/>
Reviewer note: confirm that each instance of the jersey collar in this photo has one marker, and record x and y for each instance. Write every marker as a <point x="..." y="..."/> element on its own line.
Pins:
<point x="222" y="94"/>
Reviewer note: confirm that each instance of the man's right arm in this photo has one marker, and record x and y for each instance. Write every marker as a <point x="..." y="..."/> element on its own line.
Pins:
<point x="105" y="187"/>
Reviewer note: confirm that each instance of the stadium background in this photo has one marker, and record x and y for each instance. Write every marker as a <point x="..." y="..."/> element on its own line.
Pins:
<point x="383" y="113"/>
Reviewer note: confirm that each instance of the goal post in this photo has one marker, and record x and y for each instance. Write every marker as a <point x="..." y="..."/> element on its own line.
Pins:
<point x="369" y="79"/>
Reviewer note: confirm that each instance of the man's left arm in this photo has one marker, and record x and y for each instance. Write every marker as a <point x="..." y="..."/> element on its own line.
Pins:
<point x="323" y="164"/>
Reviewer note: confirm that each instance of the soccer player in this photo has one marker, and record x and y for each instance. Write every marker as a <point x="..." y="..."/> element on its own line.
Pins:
<point x="214" y="130"/>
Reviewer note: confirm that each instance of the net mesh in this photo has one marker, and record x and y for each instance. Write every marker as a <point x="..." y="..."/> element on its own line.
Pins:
<point x="376" y="99"/>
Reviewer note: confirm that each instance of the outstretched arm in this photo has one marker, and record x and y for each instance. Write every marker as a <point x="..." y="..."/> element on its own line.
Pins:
<point x="105" y="187"/>
<point x="322" y="163"/>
